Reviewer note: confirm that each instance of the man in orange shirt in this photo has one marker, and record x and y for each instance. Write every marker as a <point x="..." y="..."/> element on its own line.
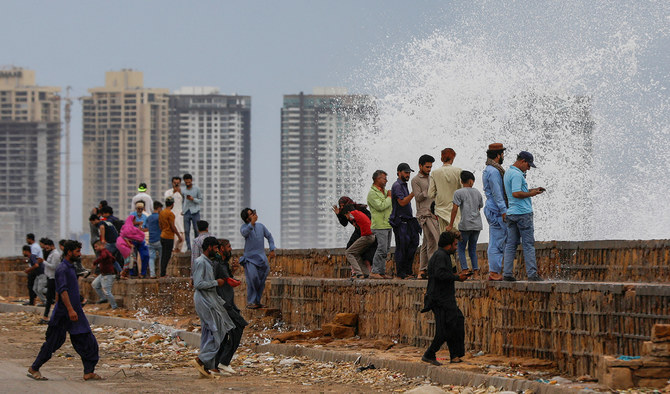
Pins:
<point x="168" y="232"/>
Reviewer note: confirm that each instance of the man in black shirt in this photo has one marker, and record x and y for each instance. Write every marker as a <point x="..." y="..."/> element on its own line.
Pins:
<point x="441" y="299"/>
<point x="222" y="270"/>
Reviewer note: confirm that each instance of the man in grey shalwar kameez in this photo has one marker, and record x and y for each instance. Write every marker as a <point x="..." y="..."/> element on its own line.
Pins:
<point x="214" y="319"/>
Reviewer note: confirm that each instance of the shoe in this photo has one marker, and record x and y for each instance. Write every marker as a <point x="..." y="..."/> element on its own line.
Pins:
<point x="495" y="278"/>
<point x="423" y="275"/>
<point x="200" y="367"/>
<point x="430" y="361"/>
<point x="42" y="321"/>
<point x="509" y="279"/>
<point x="535" y="278"/>
<point x="101" y="302"/>
<point x="253" y="306"/>
<point x="41" y="305"/>
<point x="376" y="276"/>
<point x="456" y="360"/>
<point x="28" y="303"/>
<point x="226" y="368"/>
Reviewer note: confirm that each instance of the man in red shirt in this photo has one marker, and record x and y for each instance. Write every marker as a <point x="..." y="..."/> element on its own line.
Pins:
<point x="356" y="250"/>
<point x="103" y="283"/>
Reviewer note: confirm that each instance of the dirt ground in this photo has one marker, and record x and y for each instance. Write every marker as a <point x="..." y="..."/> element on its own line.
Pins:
<point x="147" y="361"/>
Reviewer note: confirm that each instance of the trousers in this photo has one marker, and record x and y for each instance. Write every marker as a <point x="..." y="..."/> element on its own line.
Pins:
<point x="406" y="244"/>
<point x="355" y="252"/>
<point x="255" y="278"/>
<point x="230" y="344"/>
<point x="84" y="344"/>
<point x="449" y="329"/>
<point x="190" y="218"/>
<point x="383" y="237"/>
<point x="51" y="296"/>
<point x="166" y="253"/>
<point x="497" y="239"/>
<point x="520" y="229"/>
<point x="431" y="234"/>
<point x="469" y="240"/>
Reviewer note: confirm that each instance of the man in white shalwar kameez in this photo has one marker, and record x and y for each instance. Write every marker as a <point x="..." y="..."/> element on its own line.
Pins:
<point x="214" y="319"/>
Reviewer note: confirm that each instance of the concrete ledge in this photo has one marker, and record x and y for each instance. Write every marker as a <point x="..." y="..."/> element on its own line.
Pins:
<point x="442" y="375"/>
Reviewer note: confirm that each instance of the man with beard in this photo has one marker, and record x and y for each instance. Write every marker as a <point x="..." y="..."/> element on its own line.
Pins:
<point x="210" y="308"/>
<point x="254" y="260"/>
<point x="178" y="198"/>
<point x="441" y="299"/>
<point x="427" y="220"/>
<point x="495" y="209"/>
<point x="405" y="226"/>
<point x="223" y="270"/>
<point x="379" y="201"/>
<point x="68" y="316"/>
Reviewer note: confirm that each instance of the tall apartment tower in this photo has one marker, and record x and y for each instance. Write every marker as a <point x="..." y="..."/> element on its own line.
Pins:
<point x="318" y="137"/>
<point x="29" y="159"/>
<point x="210" y="139"/>
<point x="125" y="141"/>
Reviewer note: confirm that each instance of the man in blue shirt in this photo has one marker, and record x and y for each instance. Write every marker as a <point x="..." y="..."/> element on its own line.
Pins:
<point x="495" y="209"/>
<point x="191" y="208"/>
<point x="254" y="261"/>
<point x="520" y="217"/>
<point x="151" y="224"/>
<point x="68" y="316"/>
<point x="405" y="226"/>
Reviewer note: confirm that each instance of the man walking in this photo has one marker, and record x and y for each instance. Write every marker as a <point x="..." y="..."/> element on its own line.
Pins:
<point x="520" y="217"/>
<point x="191" y="208"/>
<point x="178" y="198"/>
<point x="379" y="201"/>
<point x="405" y="226"/>
<point x="214" y="319"/>
<point x="196" y="247"/>
<point x="50" y="265"/>
<point x="428" y="221"/>
<point x="441" y="299"/>
<point x="68" y="316"/>
<point x="495" y="209"/>
<point x="34" y="270"/>
<point x="223" y="270"/>
<point x="254" y="261"/>
<point x="444" y="181"/>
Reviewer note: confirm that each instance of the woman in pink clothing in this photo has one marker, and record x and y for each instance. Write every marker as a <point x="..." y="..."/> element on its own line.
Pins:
<point x="128" y="237"/>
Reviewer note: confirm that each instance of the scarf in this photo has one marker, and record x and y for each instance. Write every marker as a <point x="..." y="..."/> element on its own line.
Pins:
<point x="501" y="170"/>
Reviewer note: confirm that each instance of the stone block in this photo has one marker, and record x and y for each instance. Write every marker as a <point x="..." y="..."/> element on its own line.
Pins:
<point x="346" y="319"/>
<point x="382" y="344"/>
<point x="327" y="328"/>
<point x="618" y="378"/>
<point x="656" y="349"/>
<point x="653" y="383"/>
<point x="660" y="333"/>
<point x="611" y="361"/>
<point x="290" y="336"/>
<point x="648" y="361"/>
<point x="657" y="372"/>
<point x="340" y="331"/>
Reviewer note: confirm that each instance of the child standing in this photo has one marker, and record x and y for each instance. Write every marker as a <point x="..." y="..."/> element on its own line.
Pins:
<point x="469" y="200"/>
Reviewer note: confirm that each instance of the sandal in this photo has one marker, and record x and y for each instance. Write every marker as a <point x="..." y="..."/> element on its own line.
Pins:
<point x="36" y="375"/>
<point x="92" y="376"/>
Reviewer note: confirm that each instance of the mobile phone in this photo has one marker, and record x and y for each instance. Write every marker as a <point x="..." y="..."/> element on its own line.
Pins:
<point x="542" y="189"/>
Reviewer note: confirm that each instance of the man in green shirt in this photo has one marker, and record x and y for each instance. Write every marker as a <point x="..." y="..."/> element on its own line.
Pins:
<point x="379" y="202"/>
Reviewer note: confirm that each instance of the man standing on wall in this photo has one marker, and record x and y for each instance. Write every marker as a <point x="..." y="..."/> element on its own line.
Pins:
<point x="142" y="196"/>
<point x="168" y="232"/>
<point x="520" y="217"/>
<point x="428" y="221"/>
<point x="495" y="209"/>
<point x="405" y="226"/>
<point x="444" y="181"/>
<point x="178" y="198"/>
<point x="191" y="208"/>
<point x="379" y="201"/>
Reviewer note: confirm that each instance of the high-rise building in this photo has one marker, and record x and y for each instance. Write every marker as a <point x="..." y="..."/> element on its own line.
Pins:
<point x="318" y="137"/>
<point x="29" y="159"/>
<point x="210" y="139"/>
<point x="125" y="141"/>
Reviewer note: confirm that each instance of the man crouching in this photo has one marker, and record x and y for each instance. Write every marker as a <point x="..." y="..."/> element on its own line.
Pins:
<point x="214" y="319"/>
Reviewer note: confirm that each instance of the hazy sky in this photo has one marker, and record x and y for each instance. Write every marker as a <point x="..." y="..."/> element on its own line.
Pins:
<point x="260" y="48"/>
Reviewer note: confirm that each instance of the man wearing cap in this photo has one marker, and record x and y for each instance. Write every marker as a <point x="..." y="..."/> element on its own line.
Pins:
<point x="520" y="217"/>
<point x="142" y="196"/>
<point x="406" y="228"/>
<point x="428" y="221"/>
<point x="495" y="209"/>
<point x="444" y="181"/>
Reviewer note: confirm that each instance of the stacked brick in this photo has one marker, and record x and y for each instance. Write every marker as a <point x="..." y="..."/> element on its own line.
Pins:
<point x="651" y="370"/>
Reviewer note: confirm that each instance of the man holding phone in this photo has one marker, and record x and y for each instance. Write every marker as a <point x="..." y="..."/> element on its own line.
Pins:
<point x="520" y="217"/>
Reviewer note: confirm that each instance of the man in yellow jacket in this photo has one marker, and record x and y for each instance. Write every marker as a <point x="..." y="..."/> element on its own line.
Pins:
<point x="379" y="202"/>
<point x="444" y="181"/>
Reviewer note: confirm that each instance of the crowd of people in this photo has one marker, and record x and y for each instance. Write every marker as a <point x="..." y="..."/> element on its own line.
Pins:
<point x="132" y="248"/>
<point x="445" y="201"/>
<point x="449" y="218"/>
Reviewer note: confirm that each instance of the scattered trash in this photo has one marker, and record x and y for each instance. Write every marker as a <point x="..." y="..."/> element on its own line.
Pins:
<point x="369" y="366"/>
<point x="628" y="358"/>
